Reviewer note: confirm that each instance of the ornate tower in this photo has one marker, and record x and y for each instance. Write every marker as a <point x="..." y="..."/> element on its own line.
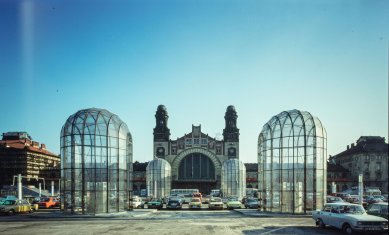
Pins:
<point x="161" y="133"/>
<point x="231" y="134"/>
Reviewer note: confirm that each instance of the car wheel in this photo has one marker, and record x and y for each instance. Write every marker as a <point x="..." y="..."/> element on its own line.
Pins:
<point x="320" y="223"/>
<point x="347" y="229"/>
<point x="11" y="212"/>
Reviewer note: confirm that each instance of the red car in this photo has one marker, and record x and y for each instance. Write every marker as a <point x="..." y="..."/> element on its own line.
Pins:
<point x="48" y="202"/>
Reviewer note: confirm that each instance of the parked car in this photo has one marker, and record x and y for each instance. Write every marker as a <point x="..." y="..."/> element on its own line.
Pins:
<point x="216" y="203"/>
<point x="206" y="199"/>
<point x="372" y="199"/>
<point x="4" y="198"/>
<point x="233" y="203"/>
<point x="349" y="218"/>
<point x="332" y="199"/>
<point x="378" y="209"/>
<point x="136" y="202"/>
<point x="48" y="202"/>
<point x="155" y="203"/>
<point x="344" y="196"/>
<point x="34" y="204"/>
<point x="11" y="207"/>
<point x="195" y="203"/>
<point x="174" y="203"/>
<point x="251" y="203"/>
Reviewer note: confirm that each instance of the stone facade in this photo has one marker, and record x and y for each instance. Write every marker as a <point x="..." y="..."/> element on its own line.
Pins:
<point x="369" y="156"/>
<point x="196" y="158"/>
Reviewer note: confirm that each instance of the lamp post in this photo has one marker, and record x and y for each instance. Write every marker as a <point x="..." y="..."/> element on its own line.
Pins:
<point x="360" y="189"/>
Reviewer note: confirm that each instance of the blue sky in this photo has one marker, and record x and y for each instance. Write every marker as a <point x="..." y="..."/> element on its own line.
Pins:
<point x="329" y="58"/>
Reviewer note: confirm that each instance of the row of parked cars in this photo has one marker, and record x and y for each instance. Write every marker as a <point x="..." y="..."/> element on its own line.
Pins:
<point x="177" y="201"/>
<point x="367" y="199"/>
<point x="11" y="205"/>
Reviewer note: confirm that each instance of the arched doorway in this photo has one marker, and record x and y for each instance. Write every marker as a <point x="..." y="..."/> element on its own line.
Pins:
<point x="196" y="166"/>
<point x="196" y="171"/>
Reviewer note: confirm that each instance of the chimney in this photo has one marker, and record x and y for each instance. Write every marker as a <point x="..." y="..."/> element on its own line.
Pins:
<point x="35" y="144"/>
<point x="43" y="146"/>
<point x="348" y="147"/>
<point x="352" y="145"/>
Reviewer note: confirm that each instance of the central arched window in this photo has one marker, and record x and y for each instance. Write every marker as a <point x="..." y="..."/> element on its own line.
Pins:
<point x="196" y="166"/>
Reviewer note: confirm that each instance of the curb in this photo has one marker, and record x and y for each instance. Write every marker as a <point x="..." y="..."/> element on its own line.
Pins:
<point x="127" y="214"/>
<point x="270" y="214"/>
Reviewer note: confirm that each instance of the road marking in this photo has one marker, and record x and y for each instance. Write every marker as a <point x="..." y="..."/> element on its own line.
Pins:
<point x="276" y="229"/>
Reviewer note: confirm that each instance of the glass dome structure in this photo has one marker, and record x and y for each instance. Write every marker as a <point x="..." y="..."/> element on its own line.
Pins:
<point x="96" y="163"/>
<point x="233" y="178"/>
<point x="292" y="163"/>
<point x="158" y="178"/>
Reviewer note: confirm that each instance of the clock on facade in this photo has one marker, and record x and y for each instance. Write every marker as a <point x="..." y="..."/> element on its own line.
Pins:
<point x="231" y="152"/>
<point x="160" y="151"/>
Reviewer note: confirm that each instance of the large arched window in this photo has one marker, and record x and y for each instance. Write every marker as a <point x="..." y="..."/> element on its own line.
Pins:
<point x="292" y="162"/>
<point x="196" y="166"/>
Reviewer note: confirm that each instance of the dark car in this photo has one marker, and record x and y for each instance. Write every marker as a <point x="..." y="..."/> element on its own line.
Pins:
<point x="372" y="199"/>
<point x="251" y="203"/>
<point x="331" y="199"/>
<point x="174" y="203"/>
<point x="378" y="209"/>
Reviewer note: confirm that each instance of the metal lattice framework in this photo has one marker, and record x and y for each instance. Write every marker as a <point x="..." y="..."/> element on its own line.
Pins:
<point x="96" y="163"/>
<point x="292" y="163"/>
<point x="158" y="178"/>
<point x="233" y="178"/>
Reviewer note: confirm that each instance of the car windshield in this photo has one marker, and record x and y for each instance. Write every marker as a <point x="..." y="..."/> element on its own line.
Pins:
<point x="233" y="199"/>
<point x="352" y="209"/>
<point x="9" y="202"/>
<point x="195" y="200"/>
<point x="216" y="199"/>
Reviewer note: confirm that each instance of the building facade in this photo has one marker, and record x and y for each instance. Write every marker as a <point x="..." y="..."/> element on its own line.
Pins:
<point x="369" y="156"/>
<point x="139" y="177"/>
<point x="338" y="178"/>
<point x="251" y="175"/>
<point x="196" y="158"/>
<point x="19" y="154"/>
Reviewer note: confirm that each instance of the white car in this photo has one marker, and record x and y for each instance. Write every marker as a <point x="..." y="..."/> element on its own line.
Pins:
<point x="136" y="202"/>
<point x="349" y="218"/>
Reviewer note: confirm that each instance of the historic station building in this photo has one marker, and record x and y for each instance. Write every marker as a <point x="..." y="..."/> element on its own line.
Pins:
<point x="196" y="159"/>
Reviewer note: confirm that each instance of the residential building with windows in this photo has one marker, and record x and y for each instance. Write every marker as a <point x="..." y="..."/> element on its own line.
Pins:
<point x="369" y="156"/>
<point x="20" y="154"/>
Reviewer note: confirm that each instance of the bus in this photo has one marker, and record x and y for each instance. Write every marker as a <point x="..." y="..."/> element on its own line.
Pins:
<point x="187" y="193"/>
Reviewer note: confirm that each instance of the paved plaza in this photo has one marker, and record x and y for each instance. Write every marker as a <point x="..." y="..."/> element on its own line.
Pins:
<point x="147" y="221"/>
